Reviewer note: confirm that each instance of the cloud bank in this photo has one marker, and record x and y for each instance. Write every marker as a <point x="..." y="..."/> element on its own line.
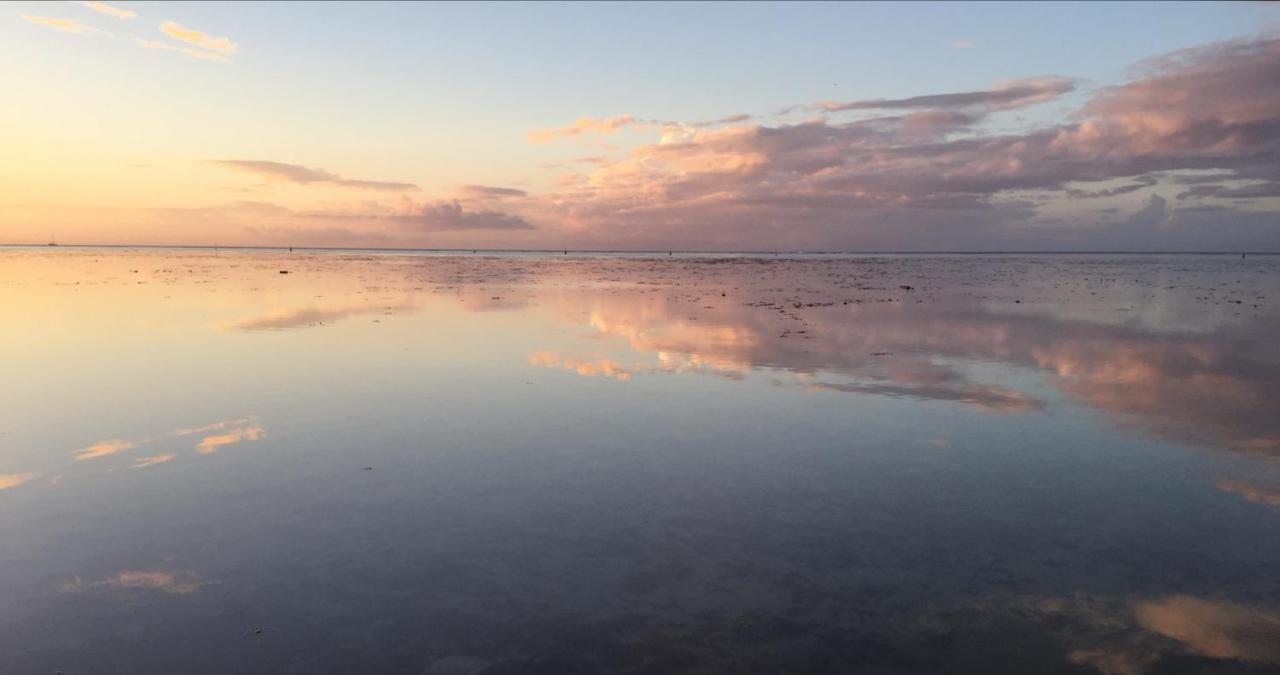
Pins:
<point x="1185" y="155"/>
<point x="930" y="173"/>
<point x="450" y="215"/>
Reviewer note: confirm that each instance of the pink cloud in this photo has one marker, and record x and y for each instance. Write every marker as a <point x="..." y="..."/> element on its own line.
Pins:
<point x="583" y="125"/>
<point x="849" y="184"/>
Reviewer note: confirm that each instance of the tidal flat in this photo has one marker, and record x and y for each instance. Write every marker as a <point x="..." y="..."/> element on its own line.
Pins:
<point x="339" y="462"/>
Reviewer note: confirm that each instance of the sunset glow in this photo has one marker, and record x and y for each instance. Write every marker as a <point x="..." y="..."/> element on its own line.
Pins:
<point x="388" y="125"/>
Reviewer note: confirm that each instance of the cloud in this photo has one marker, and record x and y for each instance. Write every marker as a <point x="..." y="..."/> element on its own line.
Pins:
<point x="610" y="125"/>
<point x="932" y="174"/>
<point x="1145" y="182"/>
<point x="1155" y="213"/>
<point x="193" y="53"/>
<point x="10" y="480"/>
<point x="483" y="191"/>
<point x="103" y="449"/>
<point x="110" y="10"/>
<point x="294" y="173"/>
<point x="1008" y="95"/>
<point x="962" y="44"/>
<point x="583" y="125"/>
<point x="729" y="119"/>
<point x="64" y="25"/>
<point x="1195" y="107"/>
<point x="1228" y="191"/>
<point x="450" y="215"/>
<point x="194" y="37"/>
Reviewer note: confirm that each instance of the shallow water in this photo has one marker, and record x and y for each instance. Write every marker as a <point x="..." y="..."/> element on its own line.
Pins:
<point x="489" y="464"/>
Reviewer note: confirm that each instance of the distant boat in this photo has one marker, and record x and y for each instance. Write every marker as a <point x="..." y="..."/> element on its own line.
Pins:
<point x="52" y="241"/>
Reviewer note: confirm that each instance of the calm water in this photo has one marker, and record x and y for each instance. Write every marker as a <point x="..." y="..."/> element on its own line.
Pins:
<point x="541" y="464"/>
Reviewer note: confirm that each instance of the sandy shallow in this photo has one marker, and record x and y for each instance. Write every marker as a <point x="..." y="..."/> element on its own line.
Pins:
<point x="353" y="462"/>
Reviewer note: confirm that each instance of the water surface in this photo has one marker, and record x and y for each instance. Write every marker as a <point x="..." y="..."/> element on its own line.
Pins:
<point x="340" y="462"/>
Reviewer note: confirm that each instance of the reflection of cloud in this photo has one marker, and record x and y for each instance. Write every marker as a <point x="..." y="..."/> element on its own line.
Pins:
<point x="213" y="427"/>
<point x="1216" y="390"/>
<point x="486" y="302"/>
<point x="991" y="398"/>
<point x="104" y="448"/>
<point x="1252" y="493"/>
<point x="1108" y="662"/>
<point x="1188" y="389"/>
<point x="738" y="339"/>
<point x="1111" y="634"/>
<point x="245" y="428"/>
<point x="292" y="318"/>
<point x="179" y="582"/>
<point x="143" y="462"/>
<point x="210" y="444"/>
<point x="1216" y="629"/>
<point x="8" y="480"/>
<point x="310" y="316"/>
<point x="584" y="367"/>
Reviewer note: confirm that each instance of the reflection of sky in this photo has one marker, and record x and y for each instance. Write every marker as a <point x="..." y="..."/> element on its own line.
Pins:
<point x="760" y="444"/>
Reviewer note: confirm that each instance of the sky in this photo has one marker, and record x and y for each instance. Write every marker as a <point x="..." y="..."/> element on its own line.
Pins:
<point x="650" y="126"/>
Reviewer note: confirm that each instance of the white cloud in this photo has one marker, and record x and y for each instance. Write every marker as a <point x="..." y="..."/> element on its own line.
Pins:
<point x="110" y="10"/>
<point x="202" y="40"/>
<point x="64" y="25"/>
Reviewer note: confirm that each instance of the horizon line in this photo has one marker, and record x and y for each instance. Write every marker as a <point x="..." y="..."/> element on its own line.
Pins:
<point x="566" y="251"/>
